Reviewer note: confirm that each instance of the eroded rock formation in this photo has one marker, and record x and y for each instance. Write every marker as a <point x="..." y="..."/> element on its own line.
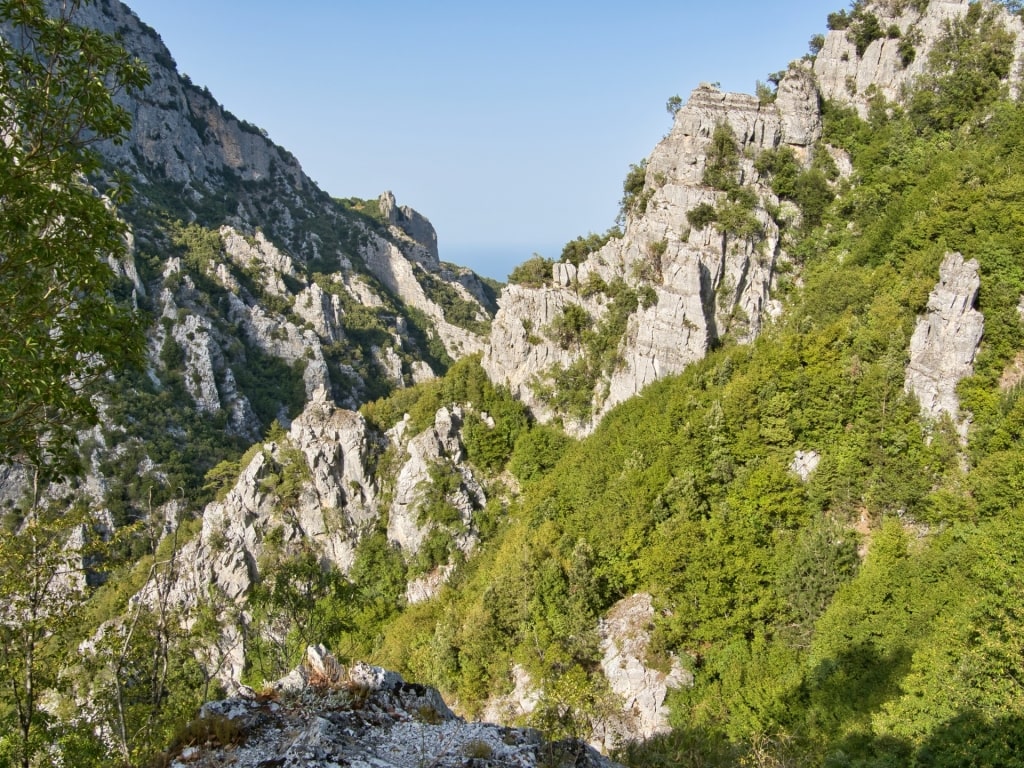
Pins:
<point x="889" y="64"/>
<point x="697" y="283"/>
<point x="945" y="341"/>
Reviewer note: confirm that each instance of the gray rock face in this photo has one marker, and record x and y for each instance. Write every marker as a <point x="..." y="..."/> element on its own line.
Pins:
<point x="945" y="341"/>
<point x="184" y="145"/>
<point x="625" y="638"/>
<point x="397" y="268"/>
<point x="178" y="130"/>
<point x="804" y="463"/>
<point x="441" y="444"/>
<point x="415" y="226"/>
<point x="336" y="504"/>
<point x="851" y="79"/>
<point x="700" y="285"/>
<point x="334" y="508"/>
<point x="193" y="334"/>
<point x="324" y="716"/>
<point x="639" y="689"/>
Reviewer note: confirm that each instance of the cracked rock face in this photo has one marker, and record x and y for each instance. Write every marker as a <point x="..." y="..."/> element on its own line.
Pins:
<point x="625" y="635"/>
<point x="638" y="686"/>
<point x="845" y="77"/>
<point x="699" y="285"/>
<point x="946" y="340"/>
<point x="325" y="716"/>
<point x="438" y="444"/>
<point x="337" y="503"/>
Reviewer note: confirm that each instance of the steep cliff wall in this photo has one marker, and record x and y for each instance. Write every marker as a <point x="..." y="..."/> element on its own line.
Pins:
<point x="697" y="284"/>
<point x="193" y="159"/>
<point x="888" y="65"/>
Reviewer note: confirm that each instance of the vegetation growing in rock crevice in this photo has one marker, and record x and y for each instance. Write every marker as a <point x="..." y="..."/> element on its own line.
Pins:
<point x="810" y="189"/>
<point x="576" y="251"/>
<point x="457" y="309"/>
<point x="734" y="214"/>
<point x="535" y="272"/>
<point x="570" y="390"/>
<point x="635" y="193"/>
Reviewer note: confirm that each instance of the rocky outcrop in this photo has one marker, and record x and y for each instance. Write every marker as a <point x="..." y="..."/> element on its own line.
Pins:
<point x="638" y="685"/>
<point x="188" y="153"/>
<point x="625" y="634"/>
<point x="404" y="275"/>
<point x="945" y="341"/>
<point x="255" y="282"/>
<point x="334" y="501"/>
<point x="178" y="130"/>
<point x="698" y="285"/>
<point x="804" y="463"/>
<point x="193" y="335"/>
<point x="324" y="715"/>
<point x="414" y="226"/>
<point x="440" y="445"/>
<point x="333" y="506"/>
<point x="889" y="64"/>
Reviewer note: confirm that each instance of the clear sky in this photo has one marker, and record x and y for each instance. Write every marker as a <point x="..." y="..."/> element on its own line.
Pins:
<point x="510" y="125"/>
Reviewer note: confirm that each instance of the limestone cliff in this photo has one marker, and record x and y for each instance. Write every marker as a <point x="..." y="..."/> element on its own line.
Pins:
<point x="698" y="284"/>
<point x="946" y="340"/>
<point x="259" y="290"/>
<point x="889" y="64"/>
<point x="192" y="158"/>
<point x="312" y="490"/>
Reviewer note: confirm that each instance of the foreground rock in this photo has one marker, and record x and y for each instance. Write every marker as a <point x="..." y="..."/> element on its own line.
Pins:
<point x="325" y="716"/>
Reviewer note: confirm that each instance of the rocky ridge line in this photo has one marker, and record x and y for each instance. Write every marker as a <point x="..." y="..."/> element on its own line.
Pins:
<point x="184" y="148"/>
<point x="882" y="69"/>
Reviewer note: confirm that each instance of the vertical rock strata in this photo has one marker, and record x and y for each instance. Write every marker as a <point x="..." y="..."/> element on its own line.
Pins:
<point x="883" y="68"/>
<point x="945" y="341"/>
<point x="701" y="285"/>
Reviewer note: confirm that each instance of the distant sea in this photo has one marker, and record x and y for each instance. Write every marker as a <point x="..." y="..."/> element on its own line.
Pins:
<point x="494" y="261"/>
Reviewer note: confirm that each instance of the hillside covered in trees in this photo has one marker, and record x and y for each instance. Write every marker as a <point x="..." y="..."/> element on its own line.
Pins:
<point x="829" y="552"/>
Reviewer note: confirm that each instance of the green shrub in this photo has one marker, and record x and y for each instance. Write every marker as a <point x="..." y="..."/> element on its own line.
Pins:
<point x="537" y="451"/>
<point x="701" y="215"/>
<point x="576" y="251"/>
<point x="532" y="273"/>
<point x="634" y="193"/>
<point x="722" y="159"/>
<point x="864" y="30"/>
<point x="568" y="328"/>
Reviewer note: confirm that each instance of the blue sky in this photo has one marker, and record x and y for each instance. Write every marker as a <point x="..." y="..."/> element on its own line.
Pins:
<point x="509" y="125"/>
